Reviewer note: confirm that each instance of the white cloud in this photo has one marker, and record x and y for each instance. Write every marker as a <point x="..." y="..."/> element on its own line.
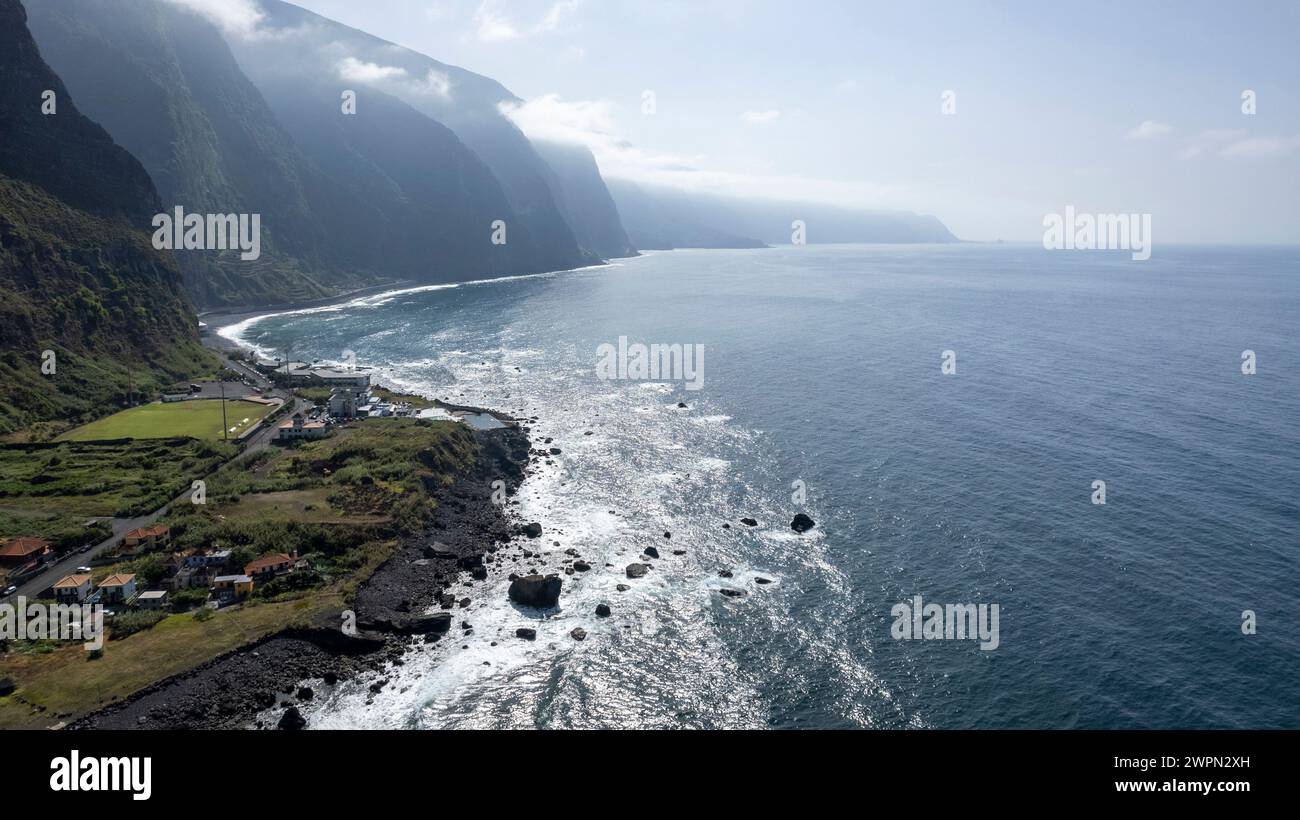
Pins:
<point x="591" y="123"/>
<point x="395" y="78"/>
<point x="556" y="14"/>
<point x="437" y="83"/>
<point x="587" y="122"/>
<point x="358" y="71"/>
<point x="1148" y="129"/>
<point x="1259" y="147"/>
<point x="494" y="26"/>
<point x="761" y="117"/>
<point x="240" y="17"/>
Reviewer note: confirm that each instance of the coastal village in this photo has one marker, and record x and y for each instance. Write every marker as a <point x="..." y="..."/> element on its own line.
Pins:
<point x="320" y="399"/>
<point x="240" y="506"/>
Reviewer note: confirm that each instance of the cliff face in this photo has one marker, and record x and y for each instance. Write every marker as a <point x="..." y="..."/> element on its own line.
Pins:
<point x="585" y="201"/>
<point x="310" y="46"/>
<point x="407" y="188"/>
<point x="659" y="218"/>
<point x="163" y="83"/>
<point x="78" y="275"/>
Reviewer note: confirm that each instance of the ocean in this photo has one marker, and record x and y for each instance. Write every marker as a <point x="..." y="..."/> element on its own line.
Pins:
<point x="822" y="391"/>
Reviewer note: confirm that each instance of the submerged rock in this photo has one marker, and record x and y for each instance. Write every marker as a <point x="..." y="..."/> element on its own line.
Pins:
<point x="533" y="530"/>
<point x="292" y="719"/>
<point x="802" y="523"/>
<point x="602" y="610"/>
<point x="749" y="522"/>
<point x="732" y="593"/>
<point x="526" y="633"/>
<point x="536" y="590"/>
<point x="636" y="570"/>
<point x="578" y="634"/>
<point x="652" y="552"/>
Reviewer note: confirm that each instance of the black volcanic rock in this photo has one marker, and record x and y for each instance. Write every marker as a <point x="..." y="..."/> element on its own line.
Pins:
<point x="526" y="633"/>
<point x="636" y="570"/>
<point x="292" y="719"/>
<point x="536" y="590"/>
<point x="802" y="523"/>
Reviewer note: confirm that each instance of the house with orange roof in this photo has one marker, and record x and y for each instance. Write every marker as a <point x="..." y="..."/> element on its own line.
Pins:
<point x="158" y="535"/>
<point x="270" y="566"/>
<point x="297" y="428"/>
<point x="20" y="550"/>
<point x="72" y="589"/>
<point x="118" y="588"/>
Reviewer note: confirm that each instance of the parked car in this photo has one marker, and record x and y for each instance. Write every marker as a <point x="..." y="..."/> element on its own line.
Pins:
<point x="8" y="591"/>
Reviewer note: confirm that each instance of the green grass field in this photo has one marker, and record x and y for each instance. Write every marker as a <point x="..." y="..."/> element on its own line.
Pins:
<point x="200" y="418"/>
<point x="47" y="489"/>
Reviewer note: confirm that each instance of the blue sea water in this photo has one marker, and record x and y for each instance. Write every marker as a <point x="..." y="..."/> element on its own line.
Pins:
<point x="822" y="366"/>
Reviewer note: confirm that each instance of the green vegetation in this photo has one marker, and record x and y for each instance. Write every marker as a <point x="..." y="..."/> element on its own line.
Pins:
<point x="418" y="402"/>
<point x="69" y="682"/>
<point x="331" y="500"/>
<point x="341" y="502"/>
<point x="198" y="418"/>
<point x="64" y="530"/>
<point x="45" y="488"/>
<point x="106" y="306"/>
<point x="315" y="395"/>
<point x="125" y="624"/>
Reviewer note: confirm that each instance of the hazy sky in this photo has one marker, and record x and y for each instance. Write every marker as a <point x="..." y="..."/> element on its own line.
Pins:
<point x="1117" y="108"/>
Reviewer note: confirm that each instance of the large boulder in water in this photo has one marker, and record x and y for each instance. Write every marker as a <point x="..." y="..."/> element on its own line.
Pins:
<point x="802" y="523"/>
<point x="292" y="719"/>
<point x="536" y="590"/>
<point x="533" y="530"/>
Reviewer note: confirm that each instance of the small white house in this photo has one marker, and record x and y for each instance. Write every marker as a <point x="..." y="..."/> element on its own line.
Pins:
<point x="118" y="588"/>
<point x="72" y="589"/>
<point x="298" y="428"/>
<point x="153" y="599"/>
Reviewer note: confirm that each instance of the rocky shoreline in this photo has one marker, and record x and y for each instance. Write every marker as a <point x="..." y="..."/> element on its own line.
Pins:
<point x="417" y="596"/>
<point x="230" y="691"/>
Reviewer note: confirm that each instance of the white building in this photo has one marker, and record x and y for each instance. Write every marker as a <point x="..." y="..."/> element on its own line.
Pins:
<point x="338" y="377"/>
<point x="295" y="428"/>
<point x="343" y="403"/>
